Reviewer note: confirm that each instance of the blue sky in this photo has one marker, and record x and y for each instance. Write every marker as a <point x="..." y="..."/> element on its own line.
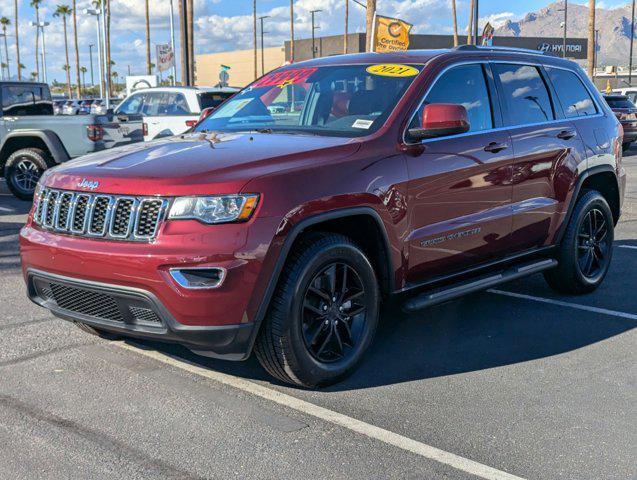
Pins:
<point x="227" y="24"/>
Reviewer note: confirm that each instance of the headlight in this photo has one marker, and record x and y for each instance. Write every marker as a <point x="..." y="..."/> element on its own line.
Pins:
<point x="214" y="209"/>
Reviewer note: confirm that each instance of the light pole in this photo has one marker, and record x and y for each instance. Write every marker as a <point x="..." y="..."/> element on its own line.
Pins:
<point x="632" y="36"/>
<point x="41" y="25"/>
<point x="475" y="21"/>
<point x="100" y="63"/>
<point x="90" y="56"/>
<point x="262" y="54"/>
<point x="172" y="42"/>
<point x="314" y="12"/>
<point x="565" y="10"/>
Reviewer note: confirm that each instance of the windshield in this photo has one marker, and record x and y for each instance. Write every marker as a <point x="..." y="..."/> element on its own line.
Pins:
<point x="349" y="100"/>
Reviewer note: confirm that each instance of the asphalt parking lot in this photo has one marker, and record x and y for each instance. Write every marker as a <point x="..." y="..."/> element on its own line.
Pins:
<point x="514" y="383"/>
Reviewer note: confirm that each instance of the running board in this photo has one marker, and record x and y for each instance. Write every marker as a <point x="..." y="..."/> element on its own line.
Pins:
<point x="441" y="295"/>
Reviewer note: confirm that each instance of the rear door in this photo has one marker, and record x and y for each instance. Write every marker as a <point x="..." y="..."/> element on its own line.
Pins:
<point x="459" y="186"/>
<point x="168" y="113"/>
<point x="547" y="147"/>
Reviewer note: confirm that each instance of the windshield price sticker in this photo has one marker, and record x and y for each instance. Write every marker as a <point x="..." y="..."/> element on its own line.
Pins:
<point x="360" y="123"/>
<point x="283" y="78"/>
<point x="393" y="70"/>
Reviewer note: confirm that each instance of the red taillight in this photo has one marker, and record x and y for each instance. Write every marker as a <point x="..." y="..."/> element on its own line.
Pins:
<point x="144" y="129"/>
<point x="191" y="123"/>
<point x="95" y="133"/>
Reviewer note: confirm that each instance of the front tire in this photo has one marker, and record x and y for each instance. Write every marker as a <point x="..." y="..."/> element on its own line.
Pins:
<point x="23" y="170"/>
<point x="586" y="250"/>
<point x="323" y="315"/>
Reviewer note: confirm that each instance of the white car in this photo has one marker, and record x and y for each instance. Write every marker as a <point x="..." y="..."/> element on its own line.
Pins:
<point x="630" y="92"/>
<point x="167" y="111"/>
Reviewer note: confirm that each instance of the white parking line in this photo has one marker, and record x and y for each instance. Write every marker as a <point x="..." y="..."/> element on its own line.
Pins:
<point x="371" y="431"/>
<point x="633" y="247"/>
<point x="603" y="311"/>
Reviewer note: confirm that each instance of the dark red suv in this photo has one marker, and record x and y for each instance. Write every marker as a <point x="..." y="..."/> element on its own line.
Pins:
<point x="287" y="216"/>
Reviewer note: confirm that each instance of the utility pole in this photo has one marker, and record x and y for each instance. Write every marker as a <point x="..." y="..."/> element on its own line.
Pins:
<point x="312" y="13"/>
<point x="90" y="56"/>
<point x="262" y="50"/>
<point x="591" y="39"/>
<point x="369" y="23"/>
<point x="565" y="26"/>
<point x="41" y="25"/>
<point x="100" y="50"/>
<point x="476" y="16"/>
<point x="254" y="36"/>
<point x="632" y="36"/>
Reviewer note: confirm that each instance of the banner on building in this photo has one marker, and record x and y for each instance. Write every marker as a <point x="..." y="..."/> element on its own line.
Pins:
<point x="487" y="35"/>
<point x="165" y="57"/>
<point x="390" y="34"/>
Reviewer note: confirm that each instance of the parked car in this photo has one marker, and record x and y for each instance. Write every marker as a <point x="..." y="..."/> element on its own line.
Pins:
<point x="32" y="139"/>
<point x="419" y="176"/>
<point x="170" y="111"/>
<point x="71" y="107"/>
<point x="630" y="92"/>
<point x="99" y="105"/>
<point x="57" y="106"/>
<point x="626" y="112"/>
<point x="85" y="106"/>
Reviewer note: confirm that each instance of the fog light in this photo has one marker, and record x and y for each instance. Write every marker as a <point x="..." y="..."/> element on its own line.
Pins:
<point x="198" y="277"/>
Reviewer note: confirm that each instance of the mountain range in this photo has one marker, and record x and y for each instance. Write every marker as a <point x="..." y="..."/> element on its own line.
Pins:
<point x="614" y="27"/>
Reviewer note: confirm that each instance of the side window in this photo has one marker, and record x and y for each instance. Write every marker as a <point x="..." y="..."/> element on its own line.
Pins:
<point x="152" y="104"/>
<point x="26" y="100"/>
<point x="525" y="94"/>
<point x="575" y="99"/>
<point x="132" y="105"/>
<point x="174" y="104"/>
<point x="464" y="85"/>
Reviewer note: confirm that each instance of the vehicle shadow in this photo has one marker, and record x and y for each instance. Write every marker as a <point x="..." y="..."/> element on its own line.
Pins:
<point x="477" y="332"/>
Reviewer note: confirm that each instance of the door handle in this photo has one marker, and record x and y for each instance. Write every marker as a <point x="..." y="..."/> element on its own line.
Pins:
<point x="566" y="134"/>
<point x="495" y="147"/>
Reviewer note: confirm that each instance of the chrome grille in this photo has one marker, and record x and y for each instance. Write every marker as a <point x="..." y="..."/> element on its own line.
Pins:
<point x="112" y="217"/>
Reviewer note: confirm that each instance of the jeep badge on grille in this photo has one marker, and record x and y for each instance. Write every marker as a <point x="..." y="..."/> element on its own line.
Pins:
<point x="91" y="185"/>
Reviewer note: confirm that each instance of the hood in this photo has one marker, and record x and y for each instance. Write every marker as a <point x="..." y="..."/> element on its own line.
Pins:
<point x="197" y="163"/>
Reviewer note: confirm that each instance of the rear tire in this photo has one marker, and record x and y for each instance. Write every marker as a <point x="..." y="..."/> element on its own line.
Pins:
<point x="323" y="315"/>
<point x="23" y="170"/>
<point x="97" y="332"/>
<point x="586" y="250"/>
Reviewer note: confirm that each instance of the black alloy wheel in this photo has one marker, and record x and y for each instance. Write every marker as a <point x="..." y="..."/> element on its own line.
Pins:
<point x="334" y="313"/>
<point x="593" y="244"/>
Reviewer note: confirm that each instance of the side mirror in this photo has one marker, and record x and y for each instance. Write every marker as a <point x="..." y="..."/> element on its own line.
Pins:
<point x="441" y="120"/>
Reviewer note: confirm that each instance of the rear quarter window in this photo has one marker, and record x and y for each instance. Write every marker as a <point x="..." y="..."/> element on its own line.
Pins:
<point x="19" y="100"/>
<point x="572" y="94"/>
<point x="525" y="94"/>
<point x="213" y="99"/>
<point x="619" y="102"/>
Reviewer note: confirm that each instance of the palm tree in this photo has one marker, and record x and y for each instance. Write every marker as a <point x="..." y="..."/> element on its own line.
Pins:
<point x="291" y="31"/>
<point x="64" y="11"/>
<point x="254" y="35"/>
<point x="4" y="21"/>
<point x="83" y="70"/>
<point x="148" y="68"/>
<point x="77" y="51"/>
<point x="591" y="38"/>
<point x="36" y="4"/>
<point x="455" y="23"/>
<point x="346" y="26"/>
<point x="17" y="40"/>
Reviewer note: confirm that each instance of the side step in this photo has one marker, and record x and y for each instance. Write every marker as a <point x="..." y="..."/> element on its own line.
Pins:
<point x="445" y="294"/>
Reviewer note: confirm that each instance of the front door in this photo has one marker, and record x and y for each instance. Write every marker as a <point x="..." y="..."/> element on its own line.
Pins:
<point x="459" y="187"/>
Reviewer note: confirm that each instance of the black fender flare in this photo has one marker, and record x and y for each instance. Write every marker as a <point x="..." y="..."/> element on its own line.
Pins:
<point x="292" y="235"/>
<point x="50" y="139"/>
<point x="605" y="168"/>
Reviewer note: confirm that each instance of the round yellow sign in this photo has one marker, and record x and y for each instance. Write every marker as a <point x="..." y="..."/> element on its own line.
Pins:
<point x="392" y="70"/>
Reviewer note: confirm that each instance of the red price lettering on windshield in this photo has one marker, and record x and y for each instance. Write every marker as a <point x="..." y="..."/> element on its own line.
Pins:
<point x="284" y="78"/>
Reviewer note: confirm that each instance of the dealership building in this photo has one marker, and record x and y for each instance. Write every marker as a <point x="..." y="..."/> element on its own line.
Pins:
<point x="241" y="62"/>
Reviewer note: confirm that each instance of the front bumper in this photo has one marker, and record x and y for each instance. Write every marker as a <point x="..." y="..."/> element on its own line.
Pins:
<point x="133" y="312"/>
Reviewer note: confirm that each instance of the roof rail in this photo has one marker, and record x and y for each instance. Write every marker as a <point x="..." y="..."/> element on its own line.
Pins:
<point x="476" y="48"/>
